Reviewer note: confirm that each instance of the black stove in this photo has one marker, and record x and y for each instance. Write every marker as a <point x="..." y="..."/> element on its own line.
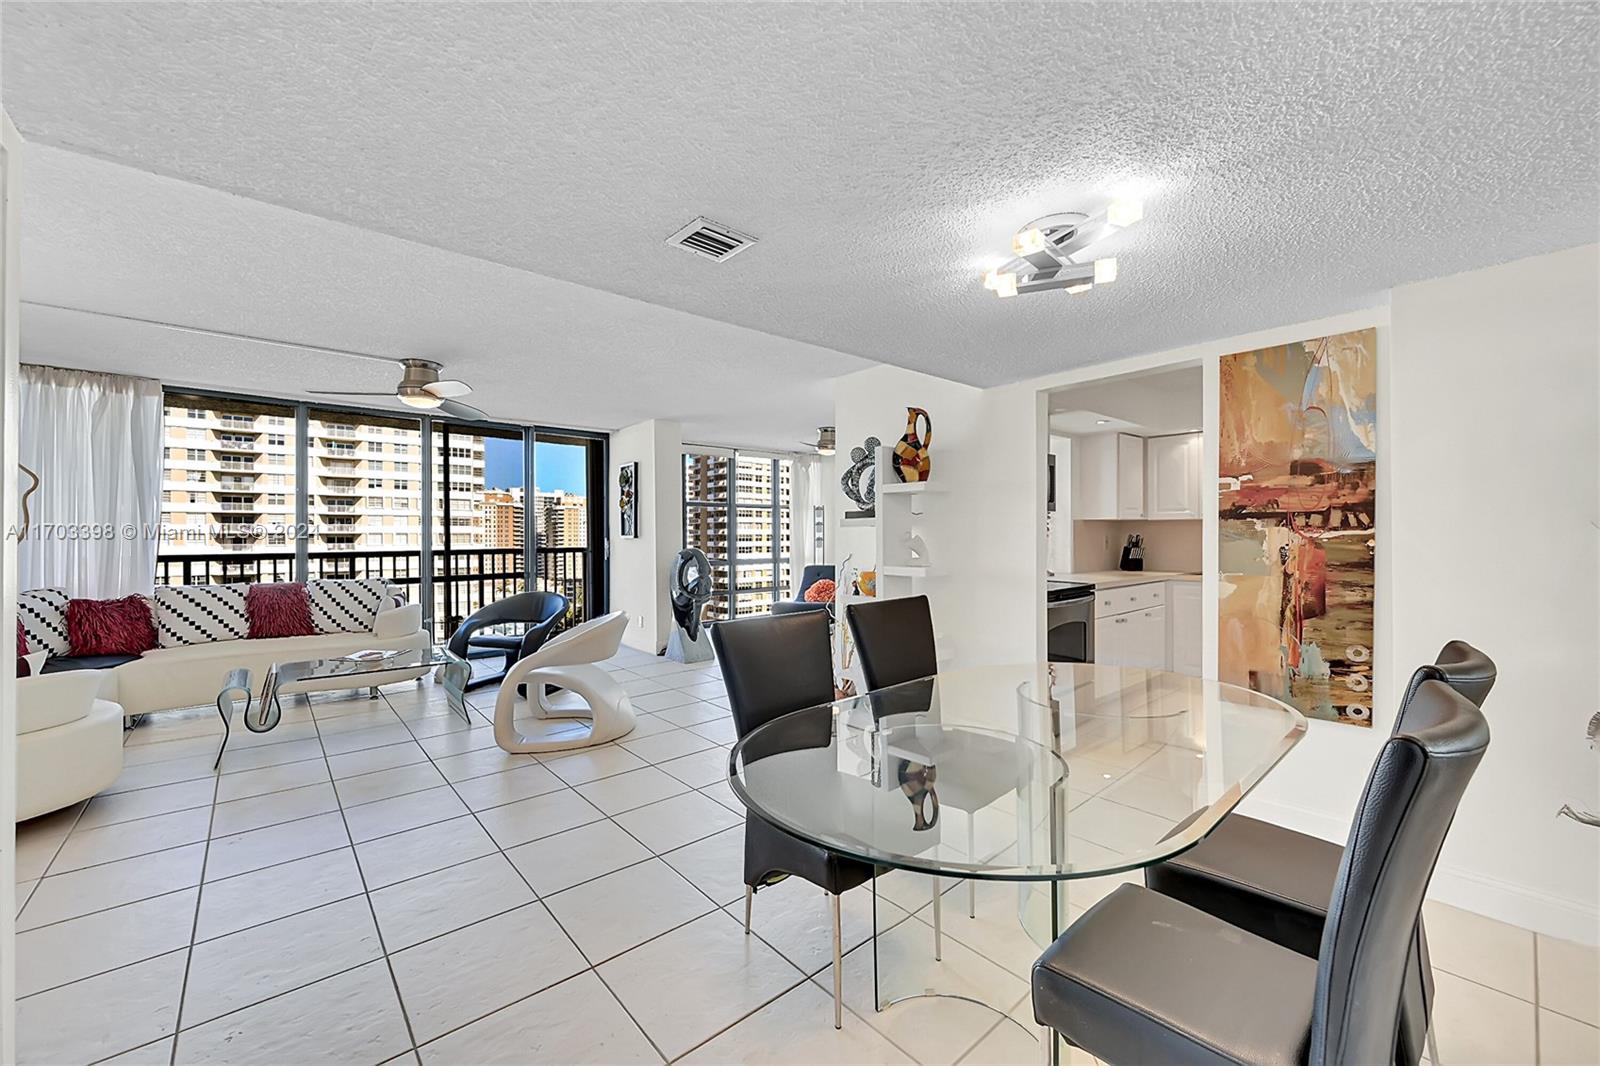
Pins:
<point x="1067" y="591"/>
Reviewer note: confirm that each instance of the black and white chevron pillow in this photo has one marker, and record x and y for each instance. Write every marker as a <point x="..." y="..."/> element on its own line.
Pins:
<point x="201" y="614"/>
<point x="43" y="614"/>
<point x="345" y="606"/>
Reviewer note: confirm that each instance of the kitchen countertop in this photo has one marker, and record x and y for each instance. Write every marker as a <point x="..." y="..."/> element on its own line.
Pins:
<point x="1112" y="579"/>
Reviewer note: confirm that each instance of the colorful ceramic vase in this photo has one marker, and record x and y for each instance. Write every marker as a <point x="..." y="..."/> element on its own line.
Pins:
<point x="911" y="451"/>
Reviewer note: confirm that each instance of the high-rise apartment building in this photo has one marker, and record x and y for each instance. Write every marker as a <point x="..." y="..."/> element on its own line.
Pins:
<point x="503" y="523"/>
<point x="228" y="480"/>
<point x="562" y="519"/>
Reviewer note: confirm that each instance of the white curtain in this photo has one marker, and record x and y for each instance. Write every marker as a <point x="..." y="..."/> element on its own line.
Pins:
<point x="94" y="441"/>
<point x="802" y="530"/>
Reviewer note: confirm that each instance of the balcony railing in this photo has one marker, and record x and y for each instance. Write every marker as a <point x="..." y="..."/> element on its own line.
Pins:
<point x="239" y="464"/>
<point x="464" y="579"/>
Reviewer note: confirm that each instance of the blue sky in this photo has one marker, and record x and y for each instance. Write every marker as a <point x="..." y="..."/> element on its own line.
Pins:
<point x="559" y="467"/>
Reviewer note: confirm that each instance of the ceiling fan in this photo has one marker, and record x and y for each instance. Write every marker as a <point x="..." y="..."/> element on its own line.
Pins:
<point x="421" y="386"/>
<point x="824" y="444"/>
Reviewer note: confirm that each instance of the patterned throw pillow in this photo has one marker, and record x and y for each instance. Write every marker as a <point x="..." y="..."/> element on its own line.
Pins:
<point x="345" y="606"/>
<point x="111" y="627"/>
<point x="200" y="614"/>
<point x="43" y="614"/>
<point x="279" y="609"/>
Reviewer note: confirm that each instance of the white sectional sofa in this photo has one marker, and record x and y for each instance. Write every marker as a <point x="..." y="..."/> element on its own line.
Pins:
<point x="69" y="742"/>
<point x="70" y="721"/>
<point x="168" y="678"/>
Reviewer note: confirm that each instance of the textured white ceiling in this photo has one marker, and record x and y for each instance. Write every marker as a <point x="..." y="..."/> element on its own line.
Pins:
<point x="103" y="236"/>
<point x="1298" y="159"/>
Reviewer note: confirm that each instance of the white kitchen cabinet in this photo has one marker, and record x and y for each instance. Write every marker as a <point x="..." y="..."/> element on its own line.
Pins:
<point x="1130" y="476"/>
<point x="1172" y="476"/>
<point x="1130" y="626"/>
<point x="1108" y="477"/>
<point x="1185" y="623"/>
<point x="1143" y="641"/>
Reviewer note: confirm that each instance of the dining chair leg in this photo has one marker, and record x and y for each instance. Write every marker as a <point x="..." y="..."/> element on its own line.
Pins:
<point x="838" y="968"/>
<point x="749" y="894"/>
<point x="972" y="856"/>
<point x="1051" y="1052"/>
<point x="938" y="925"/>
<point x="877" y="1003"/>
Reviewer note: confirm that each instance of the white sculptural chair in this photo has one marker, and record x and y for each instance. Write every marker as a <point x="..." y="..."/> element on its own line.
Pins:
<point x="566" y="662"/>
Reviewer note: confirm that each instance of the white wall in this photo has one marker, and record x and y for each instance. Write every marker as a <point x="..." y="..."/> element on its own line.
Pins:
<point x="873" y="403"/>
<point x="1495" y="387"/>
<point x="1486" y="522"/>
<point x="640" y="565"/>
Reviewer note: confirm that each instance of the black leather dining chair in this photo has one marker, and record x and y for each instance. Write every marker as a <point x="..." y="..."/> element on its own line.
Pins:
<point x="895" y="639"/>
<point x="1276" y="882"/>
<point x="773" y="665"/>
<point x="1143" y="977"/>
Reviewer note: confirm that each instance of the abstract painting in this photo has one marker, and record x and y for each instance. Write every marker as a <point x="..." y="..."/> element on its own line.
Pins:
<point x="628" y="498"/>
<point x="1297" y="536"/>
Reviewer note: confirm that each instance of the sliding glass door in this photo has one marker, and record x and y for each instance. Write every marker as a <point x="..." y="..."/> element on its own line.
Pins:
<point x="474" y="565"/>
<point x="452" y="513"/>
<point x="568" y="520"/>
<point x="736" y="510"/>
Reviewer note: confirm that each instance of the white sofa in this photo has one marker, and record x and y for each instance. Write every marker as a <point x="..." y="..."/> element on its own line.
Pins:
<point x="69" y="743"/>
<point x="164" y="679"/>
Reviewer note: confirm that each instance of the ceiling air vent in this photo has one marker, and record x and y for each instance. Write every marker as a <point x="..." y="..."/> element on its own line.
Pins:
<point x="712" y="240"/>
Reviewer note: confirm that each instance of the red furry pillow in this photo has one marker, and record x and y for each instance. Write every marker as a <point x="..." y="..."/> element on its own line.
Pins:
<point x="820" y="591"/>
<point x="110" y="627"/>
<point x="280" y="609"/>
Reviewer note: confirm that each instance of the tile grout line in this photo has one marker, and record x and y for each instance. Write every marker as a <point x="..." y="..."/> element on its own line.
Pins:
<point x="604" y="816"/>
<point x="1538" y="1051"/>
<point x="538" y="899"/>
<point x="194" y="927"/>
<point x="593" y="967"/>
<point x="361" y="873"/>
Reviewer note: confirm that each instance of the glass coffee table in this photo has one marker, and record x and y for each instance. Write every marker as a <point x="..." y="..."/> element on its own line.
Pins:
<point x="453" y="672"/>
<point x="263" y="715"/>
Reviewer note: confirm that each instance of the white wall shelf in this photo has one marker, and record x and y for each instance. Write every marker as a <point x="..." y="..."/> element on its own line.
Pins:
<point x="895" y="488"/>
<point x="903" y="571"/>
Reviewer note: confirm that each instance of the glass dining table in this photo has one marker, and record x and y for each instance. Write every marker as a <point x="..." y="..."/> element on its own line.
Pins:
<point x="1038" y="774"/>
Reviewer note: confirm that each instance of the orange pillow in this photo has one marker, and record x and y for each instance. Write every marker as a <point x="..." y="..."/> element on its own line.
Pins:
<point x="820" y="591"/>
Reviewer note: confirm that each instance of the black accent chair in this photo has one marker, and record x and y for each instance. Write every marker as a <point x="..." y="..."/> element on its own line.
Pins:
<point x="1276" y="882"/>
<point x="799" y="605"/>
<point x="773" y="665"/>
<point x="895" y="639"/>
<point x="1143" y="977"/>
<point x="538" y="611"/>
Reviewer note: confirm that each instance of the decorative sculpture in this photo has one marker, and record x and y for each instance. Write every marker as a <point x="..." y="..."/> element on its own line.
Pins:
<point x="860" y="481"/>
<point x="911" y="459"/>
<point x="691" y="586"/>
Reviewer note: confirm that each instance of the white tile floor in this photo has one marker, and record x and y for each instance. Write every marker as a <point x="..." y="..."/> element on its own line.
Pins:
<point x="375" y="881"/>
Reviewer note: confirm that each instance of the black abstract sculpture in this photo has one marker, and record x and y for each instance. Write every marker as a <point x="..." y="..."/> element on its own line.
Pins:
<point x="691" y="589"/>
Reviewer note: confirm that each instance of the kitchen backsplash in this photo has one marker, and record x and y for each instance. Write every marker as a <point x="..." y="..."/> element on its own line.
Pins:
<point x="1168" y="545"/>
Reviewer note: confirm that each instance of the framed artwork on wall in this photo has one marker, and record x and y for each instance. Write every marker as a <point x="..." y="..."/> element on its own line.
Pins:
<point x="1297" y="535"/>
<point x="628" y="498"/>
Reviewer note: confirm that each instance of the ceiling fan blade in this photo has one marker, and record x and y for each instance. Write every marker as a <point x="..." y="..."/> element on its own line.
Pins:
<point x="448" y="388"/>
<point x="461" y="410"/>
<point x="340" y="392"/>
